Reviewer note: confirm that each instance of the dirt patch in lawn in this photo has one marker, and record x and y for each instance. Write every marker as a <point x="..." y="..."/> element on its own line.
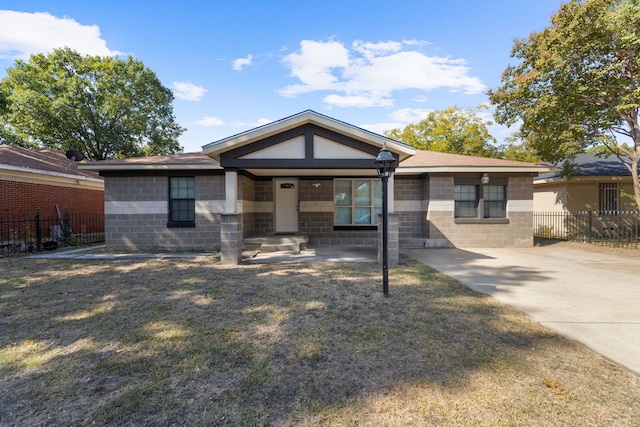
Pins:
<point x="621" y="251"/>
<point x="193" y="342"/>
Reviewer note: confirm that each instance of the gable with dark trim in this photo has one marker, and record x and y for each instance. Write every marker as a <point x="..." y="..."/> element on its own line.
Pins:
<point x="248" y="155"/>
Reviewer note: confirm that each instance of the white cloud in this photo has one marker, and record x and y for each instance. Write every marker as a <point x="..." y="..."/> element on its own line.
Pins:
<point x="239" y="63"/>
<point x="314" y="65"/>
<point x="399" y="119"/>
<point x="188" y="91"/>
<point x="379" y="128"/>
<point x="371" y="50"/>
<point x="414" y="42"/>
<point x="360" y="101"/>
<point x="368" y="74"/>
<point x="23" y="34"/>
<point x="410" y="115"/>
<point x="209" y="121"/>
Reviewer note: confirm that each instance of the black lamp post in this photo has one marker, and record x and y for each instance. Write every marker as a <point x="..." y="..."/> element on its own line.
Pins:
<point x="385" y="164"/>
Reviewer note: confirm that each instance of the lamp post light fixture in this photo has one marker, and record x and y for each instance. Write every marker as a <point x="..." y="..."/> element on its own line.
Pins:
<point x="385" y="164"/>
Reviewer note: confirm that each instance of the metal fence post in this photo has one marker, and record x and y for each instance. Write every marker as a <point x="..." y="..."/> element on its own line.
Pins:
<point x="38" y="232"/>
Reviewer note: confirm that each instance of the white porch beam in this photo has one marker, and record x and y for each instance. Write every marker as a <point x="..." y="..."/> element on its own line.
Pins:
<point x="230" y="191"/>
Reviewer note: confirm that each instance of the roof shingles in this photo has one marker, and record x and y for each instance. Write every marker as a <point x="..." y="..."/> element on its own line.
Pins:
<point x="43" y="159"/>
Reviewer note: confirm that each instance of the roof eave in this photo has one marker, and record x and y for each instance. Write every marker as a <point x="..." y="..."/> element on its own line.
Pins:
<point x="29" y="171"/>
<point x="467" y="169"/>
<point x="133" y="166"/>
<point x="590" y="178"/>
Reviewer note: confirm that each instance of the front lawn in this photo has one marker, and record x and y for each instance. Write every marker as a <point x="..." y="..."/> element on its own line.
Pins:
<point x="193" y="342"/>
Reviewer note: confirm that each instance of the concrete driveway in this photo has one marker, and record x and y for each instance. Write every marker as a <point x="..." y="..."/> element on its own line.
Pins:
<point x="590" y="297"/>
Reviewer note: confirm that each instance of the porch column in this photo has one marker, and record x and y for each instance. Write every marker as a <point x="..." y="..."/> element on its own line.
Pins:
<point x="231" y="231"/>
<point x="393" y="246"/>
<point x="231" y="239"/>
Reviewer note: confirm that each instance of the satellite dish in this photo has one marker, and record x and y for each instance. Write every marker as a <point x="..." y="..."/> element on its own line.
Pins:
<point x="74" y="156"/>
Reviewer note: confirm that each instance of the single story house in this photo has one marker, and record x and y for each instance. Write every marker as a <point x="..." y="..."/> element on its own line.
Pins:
<point x="598" y="184"/>
<point x="313" y="175"/>
<point x="46" y="181"/>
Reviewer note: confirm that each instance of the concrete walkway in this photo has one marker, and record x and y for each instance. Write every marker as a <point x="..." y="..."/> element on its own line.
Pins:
<point x="85" y="253"/>
<point x="318" y="254"/>
<point x="589" y="297"/>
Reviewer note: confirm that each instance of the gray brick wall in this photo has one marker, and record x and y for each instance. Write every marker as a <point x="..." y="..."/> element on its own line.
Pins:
<point x="264" y="191"/>
<point x="118" y="189"/>
<point x="310" y="192"/>
<point x="319" y="227"/>
<point x="443" y="231"/>
<point x="136" y="212"/>
<point x="408" y="188"/>
<point x="136" y="215"/>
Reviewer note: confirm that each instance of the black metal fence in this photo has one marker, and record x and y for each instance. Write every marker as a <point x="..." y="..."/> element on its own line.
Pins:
<point x="29" y="234"/>
<point x="612" y="228"/>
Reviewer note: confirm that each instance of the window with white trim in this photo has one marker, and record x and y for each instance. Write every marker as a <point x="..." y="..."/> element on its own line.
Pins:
<point x="182" y="201"/>
<point x="357" y="202"/>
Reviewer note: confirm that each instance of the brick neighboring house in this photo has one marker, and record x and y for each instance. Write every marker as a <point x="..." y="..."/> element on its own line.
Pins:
<point x="43" y="180"/>
<point x="312" y="175"/>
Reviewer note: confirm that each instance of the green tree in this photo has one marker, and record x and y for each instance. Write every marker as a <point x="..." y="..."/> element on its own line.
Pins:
<point x="452" y="130"/>
<point x="6" y="137"/>
<point x="519" y="152"/>
<point x="104" y="107"/>
<point x="577" y="84"/>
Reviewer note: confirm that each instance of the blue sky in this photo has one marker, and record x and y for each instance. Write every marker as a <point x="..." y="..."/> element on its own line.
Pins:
<point x="237" y="64"/>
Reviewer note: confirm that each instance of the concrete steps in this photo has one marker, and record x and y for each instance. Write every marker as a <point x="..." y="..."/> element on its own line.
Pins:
<point x="282" y="243"/>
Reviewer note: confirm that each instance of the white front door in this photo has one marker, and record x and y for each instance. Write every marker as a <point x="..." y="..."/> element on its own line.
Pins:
<point x="286" y="205"/>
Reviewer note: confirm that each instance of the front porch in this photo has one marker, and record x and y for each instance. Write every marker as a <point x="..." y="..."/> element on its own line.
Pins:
<point x="273" y="243"/>
<point x="236" y="246"/>
<point x="306" y="175"/>
<point x="272" y="249"/>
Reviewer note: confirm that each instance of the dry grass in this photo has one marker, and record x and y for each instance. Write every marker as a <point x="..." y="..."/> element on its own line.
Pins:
<point x="191" y="342"/>
<point x="620" y="251"/>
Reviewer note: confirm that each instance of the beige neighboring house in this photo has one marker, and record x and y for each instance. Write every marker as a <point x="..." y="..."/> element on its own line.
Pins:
<point x="599" y="184"/>
<point x="314" y="176"/>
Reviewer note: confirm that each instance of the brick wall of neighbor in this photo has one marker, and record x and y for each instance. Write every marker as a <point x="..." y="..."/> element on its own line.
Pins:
<point x="136" y="214"/>
<point x="28" y="198"/>
<point x="444" y="232"/>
